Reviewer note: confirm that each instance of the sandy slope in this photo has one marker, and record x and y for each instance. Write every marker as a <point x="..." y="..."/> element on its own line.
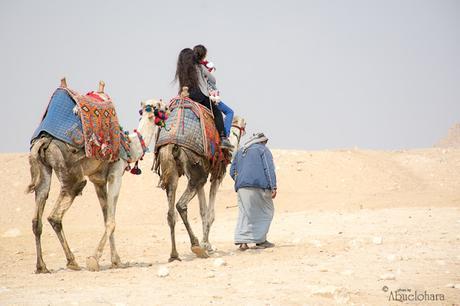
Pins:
<point x="333" y="207"/>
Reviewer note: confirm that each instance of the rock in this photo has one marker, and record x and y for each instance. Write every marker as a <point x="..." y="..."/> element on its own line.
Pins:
<point x="163" y="271"/>
<point x="340" y="295"/>
<point x="219" y="262"/>
<point x="387" y="276"/>
<point x="210" y="275"/>
<point x="347" y="272"/>
<point x="393" y="257"/>
<point x="4" y="289"/>
<point x="11" y="233"/>
<point x="316" y="243"/>
<point x="441" y="262"/>
<point x="377" y="240"/>
<point x="450" y="286"/>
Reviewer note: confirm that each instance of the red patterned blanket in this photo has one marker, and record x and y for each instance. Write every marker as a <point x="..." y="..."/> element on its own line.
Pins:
<point x="101" y="129"/>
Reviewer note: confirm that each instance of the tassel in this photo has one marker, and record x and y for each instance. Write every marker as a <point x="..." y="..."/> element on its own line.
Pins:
<point x="136" y="170"/>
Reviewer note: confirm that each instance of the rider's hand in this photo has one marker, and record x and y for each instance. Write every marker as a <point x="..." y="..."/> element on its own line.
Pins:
<point x="273" y="193"/>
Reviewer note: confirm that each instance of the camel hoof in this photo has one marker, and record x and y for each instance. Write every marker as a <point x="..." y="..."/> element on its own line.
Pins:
<point x="119" y="265"/>
<point x="42" y="270"/>
<point x="92" y="264"/>
<point x="209" y="248"/>
<point x="171" y="259"/>
<point x="73" y="266"/>
<point x="199" y="251"/>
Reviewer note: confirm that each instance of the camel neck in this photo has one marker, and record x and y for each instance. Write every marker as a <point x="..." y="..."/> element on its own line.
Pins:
<point x="147" y="129"/>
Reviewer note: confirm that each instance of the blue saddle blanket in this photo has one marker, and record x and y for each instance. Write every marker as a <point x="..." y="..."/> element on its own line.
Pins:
<point x="60" y="121"/>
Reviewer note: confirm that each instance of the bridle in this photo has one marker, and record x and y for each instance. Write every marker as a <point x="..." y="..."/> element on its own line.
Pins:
<point x="242" y="131"/>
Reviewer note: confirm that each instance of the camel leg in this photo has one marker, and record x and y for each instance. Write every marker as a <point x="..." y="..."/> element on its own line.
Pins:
<point x="41" y="195"/>
<point x="63" y="203"/>
<point x="113" y="190"/>
<point x="210" y="214"/>
<point x="204" y="214"/>
<point x="181" y="207"/>
<point x="171" y="193"/>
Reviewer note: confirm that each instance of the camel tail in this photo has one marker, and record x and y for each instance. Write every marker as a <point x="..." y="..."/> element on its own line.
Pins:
<point x="35" y="161"/>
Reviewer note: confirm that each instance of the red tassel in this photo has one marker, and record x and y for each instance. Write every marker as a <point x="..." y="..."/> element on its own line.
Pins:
<point x="136" y="170"/>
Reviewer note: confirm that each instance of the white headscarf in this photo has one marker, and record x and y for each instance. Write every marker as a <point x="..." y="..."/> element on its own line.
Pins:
<point x="255" y="138"/>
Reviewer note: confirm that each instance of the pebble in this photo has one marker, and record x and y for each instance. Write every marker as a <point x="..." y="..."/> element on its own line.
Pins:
<point x="340" y="295"/>
<point x="316" y="243"/>
<point x="219" y="262"/>
<point x="391" y="257"/>
<point x="210" y="275"/>
<point x="11" y="233"/>
<point x="387" y="276"/>
<point x="441" y="262"/>
<point x="4" y="289"/>
<point x="377" y="240"/>
<point x="347" y="272"/>
<point x="163" y="271"/>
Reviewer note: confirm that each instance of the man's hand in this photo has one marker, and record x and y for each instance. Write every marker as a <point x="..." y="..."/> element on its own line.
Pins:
<point x="273" y="193"/>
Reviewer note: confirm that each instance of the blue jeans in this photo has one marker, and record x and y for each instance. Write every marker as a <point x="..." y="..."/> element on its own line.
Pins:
<point x="228" y="112"/>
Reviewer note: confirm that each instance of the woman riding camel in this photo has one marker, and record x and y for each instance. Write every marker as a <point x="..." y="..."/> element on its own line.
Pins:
<point x="207" y="67"/>
<point x="190" y="74"/>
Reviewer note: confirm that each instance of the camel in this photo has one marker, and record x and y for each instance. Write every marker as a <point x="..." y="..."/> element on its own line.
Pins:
<point x="175" y="161"/>
<point x="71" y="165"/>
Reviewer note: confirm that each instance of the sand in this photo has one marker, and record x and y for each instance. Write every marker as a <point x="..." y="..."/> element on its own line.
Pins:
<point x="351" y="227"/>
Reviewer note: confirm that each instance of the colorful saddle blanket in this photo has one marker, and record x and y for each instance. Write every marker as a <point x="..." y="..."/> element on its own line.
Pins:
<point x="191" y="125"/>
<point x="96" y="128"/>
<point x="101" y="129"/>
<point x="60" y="121"/>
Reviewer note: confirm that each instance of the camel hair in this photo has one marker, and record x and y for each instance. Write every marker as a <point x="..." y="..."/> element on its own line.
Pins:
<point x="174" y="161"/>
<point x="71" y="165"/>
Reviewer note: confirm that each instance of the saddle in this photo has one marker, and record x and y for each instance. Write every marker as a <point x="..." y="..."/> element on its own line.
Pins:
<point x="191" y="125"/>
<point x="83" y="121"/>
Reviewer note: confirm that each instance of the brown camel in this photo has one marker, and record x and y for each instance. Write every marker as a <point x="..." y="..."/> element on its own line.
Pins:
<point x="175" y="161"/>
<point x="71" y="165"/>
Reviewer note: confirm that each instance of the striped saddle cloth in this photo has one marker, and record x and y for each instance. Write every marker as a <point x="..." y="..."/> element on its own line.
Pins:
<point x="191" y="125"/>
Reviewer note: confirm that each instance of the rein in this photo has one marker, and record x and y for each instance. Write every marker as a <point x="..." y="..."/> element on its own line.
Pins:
<point x="242" y="132"/>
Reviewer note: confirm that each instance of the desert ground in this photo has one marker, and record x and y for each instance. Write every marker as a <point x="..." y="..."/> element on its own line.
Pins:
<point x="351" y="227"/>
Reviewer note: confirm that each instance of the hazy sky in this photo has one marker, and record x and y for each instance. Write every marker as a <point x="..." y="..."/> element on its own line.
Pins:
<point x="310" y="74"/>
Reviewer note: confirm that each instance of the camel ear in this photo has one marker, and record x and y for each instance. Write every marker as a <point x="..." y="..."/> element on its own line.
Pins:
<point x="142" y="104"/>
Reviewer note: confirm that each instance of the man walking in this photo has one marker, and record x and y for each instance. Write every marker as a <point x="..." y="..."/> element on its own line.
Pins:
<point x="255" y="182"/>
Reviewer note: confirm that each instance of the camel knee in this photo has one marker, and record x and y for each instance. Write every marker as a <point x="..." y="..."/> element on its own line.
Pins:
<point x="110" y="226"/>
<point x="37" y="227"/>
<point x="181" y="207"/>
<point x="55" y="223"/>
<point x="78" y="188"/>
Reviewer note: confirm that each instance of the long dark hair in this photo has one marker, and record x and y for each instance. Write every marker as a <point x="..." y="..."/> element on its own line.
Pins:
<point x="200" y="52"/>
<point x="186" y="72"/>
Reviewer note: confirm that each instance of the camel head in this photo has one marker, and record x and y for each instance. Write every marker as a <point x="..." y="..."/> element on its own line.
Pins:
<point x="154" y="112"/>
<point x="237" y="131"/>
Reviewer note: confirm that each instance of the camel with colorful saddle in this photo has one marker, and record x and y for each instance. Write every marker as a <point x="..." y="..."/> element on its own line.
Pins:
<point x="79" y="136"/>
<point x="189" y="145"/>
